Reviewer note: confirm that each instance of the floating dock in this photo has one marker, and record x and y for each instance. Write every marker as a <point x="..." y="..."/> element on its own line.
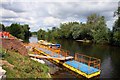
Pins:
<point x="49" y="57"/>
<point x="84" y="65"/>
<point x="82" y="69"/>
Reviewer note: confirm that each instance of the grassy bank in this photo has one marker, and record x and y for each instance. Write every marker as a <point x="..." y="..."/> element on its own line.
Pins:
<point x="19" y="66"/>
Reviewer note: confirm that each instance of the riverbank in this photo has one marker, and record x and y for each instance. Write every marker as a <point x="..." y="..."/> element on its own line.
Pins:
<point x="15" y="60"/>
<point x="19" y="66"/>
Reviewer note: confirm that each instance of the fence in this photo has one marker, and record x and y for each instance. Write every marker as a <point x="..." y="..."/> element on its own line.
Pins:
<point x="90" y="61"/>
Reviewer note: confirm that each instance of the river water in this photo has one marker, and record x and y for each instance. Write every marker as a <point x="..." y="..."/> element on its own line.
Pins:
<point x="109" y="55"/>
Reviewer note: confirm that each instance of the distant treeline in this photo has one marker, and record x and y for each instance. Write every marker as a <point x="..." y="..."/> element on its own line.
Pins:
<point x="17" y="30"/>
<point x="95" y="29"/>
<point x="34" y="33"/>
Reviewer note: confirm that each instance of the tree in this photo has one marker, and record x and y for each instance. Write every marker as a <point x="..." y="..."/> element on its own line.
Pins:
<point x="95" y="29"/>
<point x="34" y="33"/>
<point x="41" y="34"/>
<point x="65" y="29"/>
<point x="75" y="31"/>
<point x="15" y="29"/>
<point x="2" y="27"/>
<point x="26" y="29"/>
<point x="116" y="37"/>
<point x="19" y="31"/>
<point x="98" y="27"/>
<point x="116" y="27"/>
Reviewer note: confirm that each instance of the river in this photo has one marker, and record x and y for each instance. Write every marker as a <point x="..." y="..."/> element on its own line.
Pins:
<point x="109" y="55"/>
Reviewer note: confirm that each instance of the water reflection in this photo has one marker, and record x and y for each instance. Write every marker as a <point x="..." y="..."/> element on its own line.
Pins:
<point x="106" y="68"/>
<point x="33" y="39"/>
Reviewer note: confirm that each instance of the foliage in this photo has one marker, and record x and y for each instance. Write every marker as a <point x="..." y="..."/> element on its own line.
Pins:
<point x="95" y="29"/>
<point x="2" y="27"/>
<point x="116" y="36"/>
<point x="116" y="28"/>
<point x="65" y="29"/>
<point x="23" y="67"/>
<point x="34" y="33"/>
<point x="98" y="28"/>
<point x="75" y="31"/>
<point x="41" y="34"/>
<point x="19" y="31"/>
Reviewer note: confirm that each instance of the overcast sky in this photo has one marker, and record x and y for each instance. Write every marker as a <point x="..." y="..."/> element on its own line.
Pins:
<point x="49" y="13"/>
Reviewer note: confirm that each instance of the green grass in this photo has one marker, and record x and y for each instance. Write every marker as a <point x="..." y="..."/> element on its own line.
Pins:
<point x="24" y="67"/>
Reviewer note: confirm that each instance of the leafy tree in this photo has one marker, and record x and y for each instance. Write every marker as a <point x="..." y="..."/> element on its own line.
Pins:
<point x="116" y="37"/>
<point x="95" y="29"/>
<point x="65" y="29"/>
<point x="85" y="32"/>
<point x="2" y="27"/>
<point x="41" y="34"/>
<point x="98" y="27"/>
<point x="19" y="31"/>
<point x="75" y="30"/>
<point x="26" y="29"/>
<point x="116" y="28"/>
<point x="15" y="30"/>
<point x="34" y="33"/>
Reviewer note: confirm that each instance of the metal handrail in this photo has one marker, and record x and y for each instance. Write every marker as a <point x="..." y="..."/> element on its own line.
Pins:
<point x="90" y="61"/>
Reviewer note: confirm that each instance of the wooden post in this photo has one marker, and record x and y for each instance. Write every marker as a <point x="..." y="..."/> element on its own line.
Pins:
<point x="88" y="65"/>
<point x="99" y="64"/>
<point x="75" y="56"/>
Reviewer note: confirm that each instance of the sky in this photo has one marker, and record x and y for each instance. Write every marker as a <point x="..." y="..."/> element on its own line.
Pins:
<point x="45" y="14"/>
